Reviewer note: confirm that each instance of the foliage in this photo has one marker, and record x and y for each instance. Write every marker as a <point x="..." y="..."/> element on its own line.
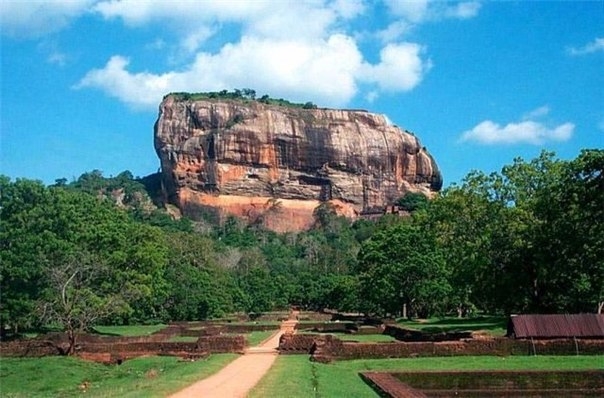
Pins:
<point x="199" y="288"/>
<point x="245" y="94"/>
<point x="527" y="239"/>
<point x="412" y="201"/>
<point x="55" y="238"/>
<point x="401" y="266"/>
<point x="75" y="299"/>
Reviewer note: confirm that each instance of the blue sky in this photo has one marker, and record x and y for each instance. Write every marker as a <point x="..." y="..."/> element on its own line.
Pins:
<point x="479" y="82"/>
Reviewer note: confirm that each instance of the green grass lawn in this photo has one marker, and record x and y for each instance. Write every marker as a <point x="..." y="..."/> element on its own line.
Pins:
<point x="305" y="321"/>
<point x="140" y="377"/>
<point x="365" y="338"/>
<point x="361" y="338"/>
<point x="183" y="339"/>
<point x="495" y="325"/>
<point x="262" y="323"/>
<point x="255" y="338"/>
<point x="129" y="330"/>
<point x="290" y="375"/>
<point x="302" y="378"/>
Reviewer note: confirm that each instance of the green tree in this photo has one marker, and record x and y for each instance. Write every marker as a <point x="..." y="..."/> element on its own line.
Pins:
<point x="198" y="287"/>
<point x="412" y="201"/>
<point x="401" y="268"/>
<point x="526" y="239"/>
<point x="569" y="238"/>
<point x="462" y="222"/>
<point x="75" y="298"/>
<point x="24" y="234"/>
<point x="39" y="223"/>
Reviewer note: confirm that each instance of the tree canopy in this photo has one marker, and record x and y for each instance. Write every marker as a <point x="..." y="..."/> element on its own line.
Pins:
<point x="527" y="239"/>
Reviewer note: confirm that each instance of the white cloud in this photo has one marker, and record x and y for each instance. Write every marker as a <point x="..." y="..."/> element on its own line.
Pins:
<point x="394" y="31"/>
<point x="592" y="47"/>
<point x="287" y="48"/>
<point x="349" y="9"/>
<point x="324" y="71"/>
<point x="418" y="11"/>
<point x="195" y="22"/>
<point x="196" y="38"/>
<point x="527" y="132"/>
<point x="139" y="12"/>
<point x="408" y="14"/>
<point x="537" y="113"/>
<point x="35" y="18"/>
<point x="276" y="19"/>
<point x="413" y="11"/>
<point x="297" y="50"/>
<point x="53" y="54"/>
<point x="371" y="96"/>
<point x="57" y="58"/>
<point x="401" y="67"/>
<point x="327" y="72"/>
<point x="139" y="90"/>
<point x="465" y="10"/>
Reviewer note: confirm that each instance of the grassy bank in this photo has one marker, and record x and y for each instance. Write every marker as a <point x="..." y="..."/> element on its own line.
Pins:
<point x="71" y="377"/>
<point x="302" y="378"/>
<point x="495" y="325"/>
<point x="361" y="338"/>
<point x="129" y="330"/>
<point x="253" y="338"/>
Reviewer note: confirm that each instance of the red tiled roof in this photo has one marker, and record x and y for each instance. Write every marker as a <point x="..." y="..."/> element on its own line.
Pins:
<point x="557" y="326"/>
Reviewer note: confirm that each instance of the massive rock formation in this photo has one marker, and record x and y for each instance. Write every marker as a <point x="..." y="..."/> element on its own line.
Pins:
<point x="276" y="164"/>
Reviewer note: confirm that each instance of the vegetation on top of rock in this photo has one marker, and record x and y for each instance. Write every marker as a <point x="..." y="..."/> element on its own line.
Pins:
<point x="245" y="94"/>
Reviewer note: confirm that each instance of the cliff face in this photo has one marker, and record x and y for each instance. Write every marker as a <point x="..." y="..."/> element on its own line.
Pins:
<point x="275" y="164"/>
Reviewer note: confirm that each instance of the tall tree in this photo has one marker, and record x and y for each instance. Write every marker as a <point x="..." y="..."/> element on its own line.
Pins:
<point x="570" y="238"/>
<point x="401" y="268"/>
<point x="76" y="297"/>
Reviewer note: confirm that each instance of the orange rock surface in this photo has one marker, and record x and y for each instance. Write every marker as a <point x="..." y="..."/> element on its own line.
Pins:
<point x="276" y="164"/>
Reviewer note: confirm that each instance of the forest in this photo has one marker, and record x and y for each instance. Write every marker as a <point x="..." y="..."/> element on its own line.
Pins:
<point x="98" y="250"/>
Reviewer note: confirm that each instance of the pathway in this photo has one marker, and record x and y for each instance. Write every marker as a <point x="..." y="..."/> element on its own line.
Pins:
<point x="237" y="378"/>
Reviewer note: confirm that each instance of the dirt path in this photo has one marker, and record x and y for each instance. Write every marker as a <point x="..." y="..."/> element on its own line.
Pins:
<point x="237" y="378"/>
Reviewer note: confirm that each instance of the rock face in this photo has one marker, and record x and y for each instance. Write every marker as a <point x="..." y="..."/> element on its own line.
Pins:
<point x="276" y="164"/>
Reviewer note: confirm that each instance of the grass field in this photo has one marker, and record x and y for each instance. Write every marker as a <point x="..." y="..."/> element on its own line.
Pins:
<point x="297" y="377"/>
<point x="65" y="376"/>
<point x="260" y="323"/>
<point x="129" y="330"/>
<point x="365" y="338"/>
<point x="183" y="339"/>
<point x="254" y="338"/>
<point x="361" y="338"/>
<point x="495" y="325"/>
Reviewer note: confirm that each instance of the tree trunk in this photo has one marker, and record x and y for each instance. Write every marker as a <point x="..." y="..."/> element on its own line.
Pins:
<point x="600" y="307"/>
<point x="71" y="336"/>
<point x="404" y="313"/>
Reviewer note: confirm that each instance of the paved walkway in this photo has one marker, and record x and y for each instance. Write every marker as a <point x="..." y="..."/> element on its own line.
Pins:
<point x="237" y="378"/>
